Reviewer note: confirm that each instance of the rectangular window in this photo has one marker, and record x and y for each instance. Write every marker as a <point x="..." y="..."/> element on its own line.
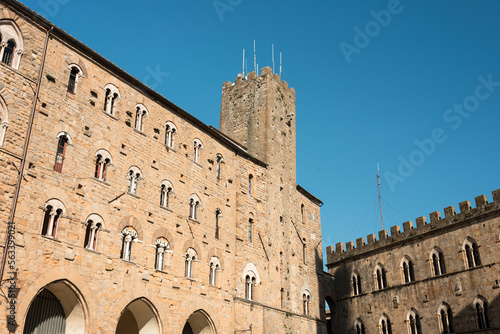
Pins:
<point x="250" y="227"/>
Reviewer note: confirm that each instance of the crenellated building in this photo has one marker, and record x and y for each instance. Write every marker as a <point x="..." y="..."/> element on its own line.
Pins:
<point x="135" y="217"/>
<point x="436" y="277"/>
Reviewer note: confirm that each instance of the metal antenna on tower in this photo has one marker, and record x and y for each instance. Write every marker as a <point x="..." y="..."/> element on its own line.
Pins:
<point x="254" y="58"/>
<point x="243" y="63"/>
<point x="379" y="200"/>
<point x="280" y="64"/>
<point x="273" y="58"/>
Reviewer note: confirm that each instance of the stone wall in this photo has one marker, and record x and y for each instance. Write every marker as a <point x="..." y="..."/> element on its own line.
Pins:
<point x="104" y="284"/>
<point x="459" y="287"/>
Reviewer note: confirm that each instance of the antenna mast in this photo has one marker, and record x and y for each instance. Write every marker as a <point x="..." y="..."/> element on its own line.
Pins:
<point x="243" y="63"/>
<point x="254" y="58"/>
<point x="379" y="200"/>
<point x="273" y="58"/>
<point x="280" y="64"/>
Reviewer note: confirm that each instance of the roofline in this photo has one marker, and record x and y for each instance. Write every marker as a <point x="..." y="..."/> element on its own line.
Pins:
<point x="313" y="198"/>
<point x="131" y="80"/>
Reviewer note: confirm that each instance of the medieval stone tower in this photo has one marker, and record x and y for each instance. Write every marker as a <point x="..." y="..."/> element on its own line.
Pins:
<point x="259" y="112"/>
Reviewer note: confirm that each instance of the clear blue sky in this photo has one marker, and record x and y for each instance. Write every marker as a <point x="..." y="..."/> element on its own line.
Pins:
<point x="362" y="98"/>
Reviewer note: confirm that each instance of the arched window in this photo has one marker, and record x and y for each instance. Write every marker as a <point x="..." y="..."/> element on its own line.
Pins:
<point x="251" y="279"/>
<point x="54" y="210"/>
<point x="134" y="174"/>
<point x="219" y="161"/>
<point x="214" y="268"/>
<point x="11" y="43"/>
<point x="190" y="257"/>
<point x="197" y="147"/>
<point x="165" y="192"/>
<point x="385" y="325"/>
<point x="140" y="113"/>
<point x="359" y="327"/>
<point x="306" y="300"/>
<point x="250" y="282"/>
<point x="302" y="213"/>
<point x="161" y="246"/>
<point x="74" y="74"/>
<point x="94" y="224"/>
<point x="102" y="161"/>
<point x="445" y="318"/>
<point x="481" y="308"/>
<point x="63" y="140"/>
<point x="194" y="203"/>
<point x="8" y="52"/>
<point x="129" y="235"/>
<point x="471" y="250"/>
<point x="380" y="277"/>
<point x="170" y="130"/>
<point x="218" y="214"/>
<point x="112" y="95"/>
<point x="356" y="283"/>
<point x="437" y="261"/>
<point x="282" y="295"/>
<point x="4" y="120"/>
<point x="250" y="230"/>
<point x="408" y="270"/>
<point x="250" y="180"/>
<point x="413" y="320"/>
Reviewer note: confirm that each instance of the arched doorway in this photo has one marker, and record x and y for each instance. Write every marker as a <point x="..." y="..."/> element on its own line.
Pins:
<point x="139" y="317"/>
<point x="330" y="314"/>
<point x="56" y="309"/>
<point x="199" y="323"/>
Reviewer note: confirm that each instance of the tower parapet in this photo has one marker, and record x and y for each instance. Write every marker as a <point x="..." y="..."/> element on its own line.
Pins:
<point x="410" y="231"/>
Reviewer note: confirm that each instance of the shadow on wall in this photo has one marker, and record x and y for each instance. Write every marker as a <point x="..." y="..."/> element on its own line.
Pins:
<point x="465" y="321"/>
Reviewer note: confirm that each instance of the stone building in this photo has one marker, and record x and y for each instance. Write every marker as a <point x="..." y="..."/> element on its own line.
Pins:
<point x="436" y="277"/>
<point x="135" y="217"/>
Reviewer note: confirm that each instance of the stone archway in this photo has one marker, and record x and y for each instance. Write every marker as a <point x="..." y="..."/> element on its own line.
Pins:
<point x="56" y="309"/>
<point x="330" y="314"/>
<point x="139" y="317"/>
<point x="199" y="323"/>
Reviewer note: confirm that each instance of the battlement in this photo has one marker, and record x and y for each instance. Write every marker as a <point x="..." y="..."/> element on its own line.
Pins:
<point x="265" y="73"/>
<point x="410" y="230"/>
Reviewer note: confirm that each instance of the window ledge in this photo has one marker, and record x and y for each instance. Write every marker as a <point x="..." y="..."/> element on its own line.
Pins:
<point x="50" y="238"/>
<point x="110" y="115"/>
<point x="133" y="195"/>
<point x="139" y="132"/>
<point x="92" y="251"/>
<point x="197" y="164"/>
<point x="165" y="208"/>
<point x="190" y="279"/>
<point x="194" y="221"/>
<point x="211" y="286"/>
<point x="129" y="262"/>
<point x="170" y="149"/>
<point x="102" y="182"/>
<point x="161" y="271"/>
